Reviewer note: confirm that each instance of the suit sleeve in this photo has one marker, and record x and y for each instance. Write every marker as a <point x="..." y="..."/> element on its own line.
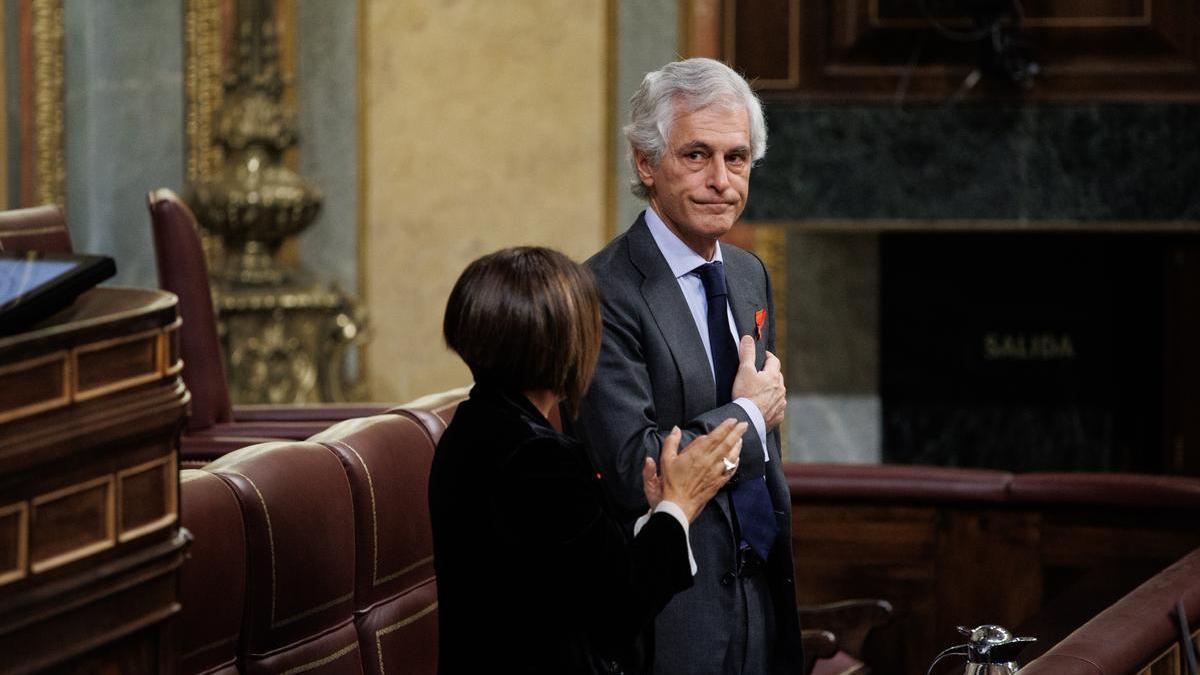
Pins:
<point x="618" y="420"/>
<point x="557" y="519"/>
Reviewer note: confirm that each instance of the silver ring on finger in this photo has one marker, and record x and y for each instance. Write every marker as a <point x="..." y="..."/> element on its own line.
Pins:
<point x="730" y="466"/>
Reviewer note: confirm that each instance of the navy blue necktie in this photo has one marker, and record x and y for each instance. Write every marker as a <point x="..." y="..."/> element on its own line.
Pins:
<point x="751" y="501"/>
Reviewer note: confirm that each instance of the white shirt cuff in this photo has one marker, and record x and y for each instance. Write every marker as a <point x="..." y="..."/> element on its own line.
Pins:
<point x="671" y="509"/>
<point x="760" y="425"/>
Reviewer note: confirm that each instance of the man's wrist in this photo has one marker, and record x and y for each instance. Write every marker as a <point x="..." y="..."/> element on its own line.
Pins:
<point x="756" y="419"/>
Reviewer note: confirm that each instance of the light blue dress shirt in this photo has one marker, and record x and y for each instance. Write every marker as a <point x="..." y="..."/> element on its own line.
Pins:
<point x="682" y="260"/>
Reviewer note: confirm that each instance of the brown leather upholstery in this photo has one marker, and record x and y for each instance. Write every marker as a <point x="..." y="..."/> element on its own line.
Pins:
<point x="880" y="482"/>
<point x="818" y="644"/>
<point x="197" y="451"/>
<point x="338" y="556"/>
<point x="344" y="519"/>
<point x="1127" y="635"/>
<point x="300" y="563"/>
<point x="840" y="663"/>
<point x="387" y="458"/>
<point x="183" y="271"/>
<point x="872" y="482"/>
<point x="1125" y="489"/>
<point x="212" y="584"/>
<point x="303" y="412"/>
<point x="435" y="410"/>
<point x="39" y="228"/>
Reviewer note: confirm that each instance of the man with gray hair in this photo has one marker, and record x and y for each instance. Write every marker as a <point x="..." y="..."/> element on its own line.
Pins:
<point x="689" y="330"/>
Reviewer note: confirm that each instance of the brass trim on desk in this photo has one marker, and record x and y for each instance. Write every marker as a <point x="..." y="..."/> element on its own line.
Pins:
<point x="109" y="523"/>
<point x="21" y="545"/>
<point x="170" y="514"/>
<point x="81" y="394"/>
<point x="64" y="397"/>
<point x="169" y="333"/>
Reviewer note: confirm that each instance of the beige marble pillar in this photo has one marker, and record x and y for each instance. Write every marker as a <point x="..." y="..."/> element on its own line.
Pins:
<point x="484" y="125"/>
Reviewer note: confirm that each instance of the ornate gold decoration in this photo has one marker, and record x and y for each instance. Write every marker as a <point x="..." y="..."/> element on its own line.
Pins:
<point x="289" y="344"/>
<point x="254" y="201"/>
<point x="286" y="337"/>
<point x="202" y="23"/>
<point x="49" y="157"/>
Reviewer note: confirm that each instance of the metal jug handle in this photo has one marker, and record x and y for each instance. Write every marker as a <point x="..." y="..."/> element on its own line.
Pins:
<point x="956" y="650"/>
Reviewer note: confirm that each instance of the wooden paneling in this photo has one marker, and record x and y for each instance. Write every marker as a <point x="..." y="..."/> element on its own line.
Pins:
<point x="117" y="364"/>
<point x="951" y="564"/>
<point x="14" y="541"/>
<point x="90" y="541"/>
<point x="148" y="497"/>
<point x="71" y="523"/>
<point x="1167" y="663"/>
<point x="890" y="49"/>
<point x="34" y="385"/>
<point x="1182" y="392"/>
<point x="775" y="61"/>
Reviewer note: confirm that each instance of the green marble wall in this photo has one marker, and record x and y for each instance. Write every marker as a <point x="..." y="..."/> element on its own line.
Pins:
<point x="1021" y="163"/>
<point x="327" y="120"/>
<point x="124" y="127"/>
<point x="646" y="39"/>
<point x="123" y="72"/>
<point x="1032" y="162"/>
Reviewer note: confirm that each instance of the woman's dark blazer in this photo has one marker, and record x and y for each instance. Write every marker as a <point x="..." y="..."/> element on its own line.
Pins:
<point x="534" y="572"/>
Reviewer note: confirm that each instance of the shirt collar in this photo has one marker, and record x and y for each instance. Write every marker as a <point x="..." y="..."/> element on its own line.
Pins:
<point x="681" y="259"/>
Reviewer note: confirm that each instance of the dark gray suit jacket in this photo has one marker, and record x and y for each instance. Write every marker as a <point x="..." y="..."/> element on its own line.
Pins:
<point x="653" y="374"/>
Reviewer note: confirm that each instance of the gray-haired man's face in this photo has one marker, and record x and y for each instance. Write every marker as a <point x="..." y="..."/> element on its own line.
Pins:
<point x="700" y="185"/>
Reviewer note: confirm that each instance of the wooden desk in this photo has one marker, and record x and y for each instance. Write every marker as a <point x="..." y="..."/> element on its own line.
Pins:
<point x="1038" y="553"/>
<point x="91" y="405"/>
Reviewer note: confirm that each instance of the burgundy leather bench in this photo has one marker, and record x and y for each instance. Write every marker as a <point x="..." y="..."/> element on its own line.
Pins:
<point x="1132" y="633"/>
<point x="316" y="553"/>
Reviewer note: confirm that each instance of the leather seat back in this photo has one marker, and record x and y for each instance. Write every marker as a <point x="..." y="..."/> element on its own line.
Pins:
<point x="212" y="583"/>
<point x="39" y="228"/>
<point x="183" y="271"/>
<point x="299" y="521"/>
<point x="387" y="458"/>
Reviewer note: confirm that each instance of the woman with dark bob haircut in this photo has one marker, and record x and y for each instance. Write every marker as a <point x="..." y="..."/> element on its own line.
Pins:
<point x="534" y="572"/>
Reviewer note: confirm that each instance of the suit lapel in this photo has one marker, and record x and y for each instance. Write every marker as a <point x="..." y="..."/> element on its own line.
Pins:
<point x="661" y="292"/>
<point x="745" y="297"/>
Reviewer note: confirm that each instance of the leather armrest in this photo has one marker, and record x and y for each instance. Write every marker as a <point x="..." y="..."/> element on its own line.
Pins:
<point x="818" y="644"/>
<point x="850" y="620"/>
<point x="196" y="451"/>
<point x="875" y="482"/>
<point x="330" y="412"/>
<point x="1124" y="489"/>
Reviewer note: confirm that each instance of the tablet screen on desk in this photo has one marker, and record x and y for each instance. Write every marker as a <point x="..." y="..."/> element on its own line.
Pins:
<point x="34" y="285"/>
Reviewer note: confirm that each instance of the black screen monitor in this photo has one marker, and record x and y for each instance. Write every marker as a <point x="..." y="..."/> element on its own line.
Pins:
<point x="36" y="284"/>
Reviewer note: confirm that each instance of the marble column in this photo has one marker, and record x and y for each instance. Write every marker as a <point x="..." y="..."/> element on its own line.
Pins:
<point x="124" y="125"/>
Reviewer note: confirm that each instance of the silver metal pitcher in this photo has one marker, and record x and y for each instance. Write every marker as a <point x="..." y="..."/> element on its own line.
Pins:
<point x="992" y="650"/>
